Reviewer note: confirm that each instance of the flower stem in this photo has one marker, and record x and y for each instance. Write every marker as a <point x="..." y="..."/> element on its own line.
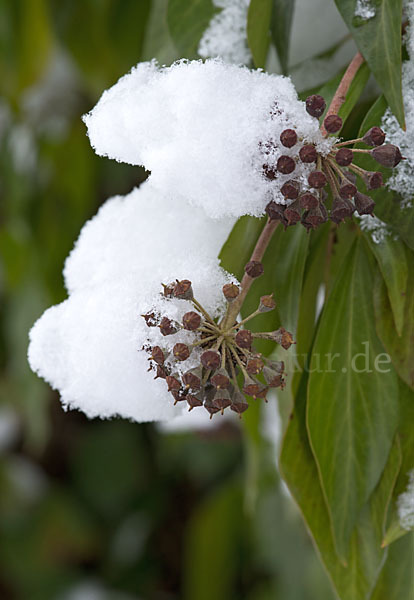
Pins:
<point x="258" y="252"/>
<point x="343" y="87"/>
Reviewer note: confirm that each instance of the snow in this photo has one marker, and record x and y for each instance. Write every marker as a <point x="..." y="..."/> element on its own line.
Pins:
<point x="365" y="9"/>
<point x="373" y="225"/>
<point x="226" y="35"/>
<point x="405" y="504"/>
<point x="200" y="128"/>
<point x="90" y="347"/>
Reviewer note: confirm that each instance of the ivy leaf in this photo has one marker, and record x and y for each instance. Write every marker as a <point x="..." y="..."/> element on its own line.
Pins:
<point x="400" y="348"/>
<point x="258" y="30"/>
<point x="299" y="470"/>
<point x="396" y="580"/>
<point x="187" y="21"/>
<point x="392" y="261"/>
<point x="352" y="403"/>
<point x="379" y="41"/>
<point x="280" y="27"/>
<point x="406" y="435"/>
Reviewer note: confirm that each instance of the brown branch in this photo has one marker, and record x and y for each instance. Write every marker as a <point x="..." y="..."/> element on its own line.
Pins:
<point x="343" y="87"/>
<point x="258" y="252"/>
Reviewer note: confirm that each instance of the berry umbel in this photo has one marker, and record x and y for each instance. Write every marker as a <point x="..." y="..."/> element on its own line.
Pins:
<point x="312" y="173"/>
<point x="226" y="367"/>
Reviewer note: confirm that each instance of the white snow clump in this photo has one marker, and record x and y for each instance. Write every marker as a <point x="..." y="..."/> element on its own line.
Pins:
<point x="405" y="504"/>
<point x="365" y="9"/>
<point x="90" y="347"/>
<point x="373" y="225"/>
<point x="226" y="35"/>
<point x="205" y="131"/>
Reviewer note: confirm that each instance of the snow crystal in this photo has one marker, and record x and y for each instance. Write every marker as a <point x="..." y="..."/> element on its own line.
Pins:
<point x="364" y="9"/>
<point x="377" y="228"/>
<point x="204" y="130"/>
<point x="90" y="347"/>
<point x="226" y="35"/>
<point x="405" y="504"/>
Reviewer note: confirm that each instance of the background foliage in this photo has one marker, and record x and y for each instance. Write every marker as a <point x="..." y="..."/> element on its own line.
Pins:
<point x="115" y="510"/>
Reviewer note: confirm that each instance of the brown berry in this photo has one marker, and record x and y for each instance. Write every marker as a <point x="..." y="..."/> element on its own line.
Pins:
<point x="275" y="211"/>
<point x="150" y="319"/>
<point x="157" y="355"/>
<point x="167" y="327"/>
<point x="344" y="157"/>
<point x="364" y="204"/>
<point x="288" y="138"/>
<point x="347" y="190"/>
<point x="210" y="359"/>
<point x="243" y="338"/>
<point x="290" y="189"/>
<point x="183" y="290"/>
<point x="254" y="366"/>
<point x="173" y="383"/>
<point x="254" y="268"/>
<point x="266" y="303"/>
<point x="308" y="154"/>
<point x="315" y="105"/>
<point x="374" y="137"/>
<point x="269" y="172"/>
<point x="181" y="351"/>
<point x="286" y="165"/>
<point x="317" y="179"/>
<point x="316" y="217"/>
<point x="191" y="320"/>
<point x="221" y="379"/>
<point x="192" y="379"/>
<point x="333" y="123"/>
<point x="283" y="337"/>
<point x="293" y="212"/>
<point x="193" y="401"/>
<point x="308" y="201"/>
<point x="342" y="208"/>
<point x="230" y="291"/>
<point x="273" y="378"/>
<point x="373" y="180"/>
<point x="387" y="155"/>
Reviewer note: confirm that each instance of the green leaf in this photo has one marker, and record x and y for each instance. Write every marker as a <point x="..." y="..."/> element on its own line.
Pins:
<point x="392" y="261"/>
<point x="258" y="30"/>
<point x="396" y="580"/>
<point x="280" y="26"/>
<point x="400" y="348"/>
<point x="406" y="435"/>
<point x="379" y="41"/>
<point x="299" y="470"/>
<point x="388" y="203"/>
<point x="352" y="411"/>
<point x="187" y="21"/>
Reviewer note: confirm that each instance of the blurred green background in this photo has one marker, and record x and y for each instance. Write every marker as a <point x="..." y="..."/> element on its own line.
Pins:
<point x="93" y="510"/>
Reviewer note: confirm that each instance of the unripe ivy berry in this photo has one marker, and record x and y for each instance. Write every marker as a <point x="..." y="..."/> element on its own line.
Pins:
<point x="288" y="138"/>
<point x="308" y="201"/>
<point x="341" y="209"/>
<point x="167" y="327"/>
<point x="290" y="189"/>
<point x="308" y="154"/>
<point x="347" y="190"/>
<point x="286" y="165"/>
<point x="254" y="366"/>
<point x="230" y="291"/>
<point x="315" y="105"/>
<point x="364" y="204"/>
<point x="373" y="180"/>
<point x="181" y="351"/>
<point x="244" y="338"/>
<point x="191" y="320"/>
<point x="387" y="155"/>
<point x="266" y="303"/>
<point x="269" y="172"/>
<point x="333" y="123"/>
<point x="317" y="179"/>
<point x="344" y="157"/>
<point x="316" y="217"/>
<point x="210" y="359"/>
<point x="254" y="269"/>
<point x="275" y="212"/>
<point x="183" y="290"/>
<point x="157" y="355"/>
<point x="374" y="137"/>
<point x="292" y="212"/>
